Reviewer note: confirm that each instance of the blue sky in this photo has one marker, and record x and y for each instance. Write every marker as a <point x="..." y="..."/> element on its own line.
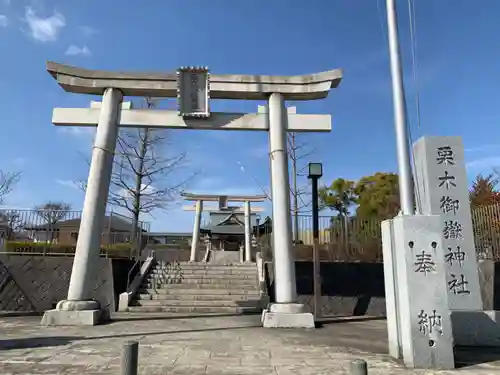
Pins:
<point x="458" y="67"/>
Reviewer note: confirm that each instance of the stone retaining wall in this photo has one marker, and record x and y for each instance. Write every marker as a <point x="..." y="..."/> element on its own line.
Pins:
<point x="37" y="283"/>
<point x="355" y="289"/>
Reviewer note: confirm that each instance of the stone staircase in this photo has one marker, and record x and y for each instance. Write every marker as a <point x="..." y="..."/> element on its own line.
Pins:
<point x="199" y="288"/>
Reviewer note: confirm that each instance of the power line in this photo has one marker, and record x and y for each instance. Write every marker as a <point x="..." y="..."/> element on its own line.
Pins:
<point x="413" y="40"/>
<point x="243" y="169"/>
<point x="412" y="23"/>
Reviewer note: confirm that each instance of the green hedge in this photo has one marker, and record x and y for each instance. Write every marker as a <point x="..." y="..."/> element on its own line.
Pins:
<point x="160" y="246"/>
<point x="120" y="250"/>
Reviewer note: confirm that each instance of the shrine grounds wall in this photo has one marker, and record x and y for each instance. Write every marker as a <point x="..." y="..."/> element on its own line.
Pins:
<point x="357" y="288"/>
<point x="33" y="284"/>
<point x="36" y="283"/>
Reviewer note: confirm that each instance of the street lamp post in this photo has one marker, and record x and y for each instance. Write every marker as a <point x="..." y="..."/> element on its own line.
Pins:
<point x="315" y="173"/>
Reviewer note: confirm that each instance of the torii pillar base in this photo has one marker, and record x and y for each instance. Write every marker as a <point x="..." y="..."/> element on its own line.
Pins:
<point x="287" y="315"/>
<point x="75" y="313"/>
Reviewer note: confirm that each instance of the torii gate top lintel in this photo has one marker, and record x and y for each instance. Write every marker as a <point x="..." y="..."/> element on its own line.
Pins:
<point x="225" y="198"/>
<point x="222" y="86"/>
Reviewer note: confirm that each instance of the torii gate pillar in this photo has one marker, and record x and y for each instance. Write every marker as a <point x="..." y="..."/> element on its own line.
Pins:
<point x="284" y="262"/>
<point x="79" y="305"/>
<point x="196" y="231"/>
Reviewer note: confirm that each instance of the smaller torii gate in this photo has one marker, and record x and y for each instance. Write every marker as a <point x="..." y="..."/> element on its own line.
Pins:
<point x="223" y="206"/>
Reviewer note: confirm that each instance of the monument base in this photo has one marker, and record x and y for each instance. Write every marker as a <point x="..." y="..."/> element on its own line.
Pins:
<point x="476" y="328"/>
<point x="287" y="315"/>
<point x="74" y="313"/>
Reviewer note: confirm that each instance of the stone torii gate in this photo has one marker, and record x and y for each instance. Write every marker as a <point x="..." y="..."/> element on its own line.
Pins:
<point x="223" y="206"/>
<point x="194" y="87"/>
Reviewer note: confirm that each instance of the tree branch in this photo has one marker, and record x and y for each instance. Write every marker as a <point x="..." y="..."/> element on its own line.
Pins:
<point x="143" y="179"/>
<point x="7" y="182"/>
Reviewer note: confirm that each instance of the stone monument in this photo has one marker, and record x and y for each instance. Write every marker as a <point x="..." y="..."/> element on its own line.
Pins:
<point x="418" y="318"/>
<point x="442" y="189"/>
<point x="194" y="88"/>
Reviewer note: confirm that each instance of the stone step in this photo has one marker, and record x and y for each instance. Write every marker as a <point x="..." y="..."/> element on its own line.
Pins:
<point x="195" y="310"/>
<point x="207" y="265"/>
<point x="196" y="303"/>
<point x="157" y="281"/>
<point x="203" y="271"/>
<point x="179" y="288"/>
<point x="210" y="290"/>
<point x="202" y="275"/>
<point x="198" y="297"/>
<point x="198" y="289"/>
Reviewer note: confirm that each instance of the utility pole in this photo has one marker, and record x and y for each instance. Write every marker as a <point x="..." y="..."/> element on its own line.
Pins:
<point x="406" y="189"/>
<point x="295" y="193"/>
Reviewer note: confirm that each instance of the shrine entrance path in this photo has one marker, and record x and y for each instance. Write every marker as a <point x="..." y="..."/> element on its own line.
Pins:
<point x="218" y="345"/>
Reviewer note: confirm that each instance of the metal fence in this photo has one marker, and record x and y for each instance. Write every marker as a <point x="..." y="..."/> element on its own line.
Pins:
<point x="55" y="232"/>
<point x="352" y="238"/>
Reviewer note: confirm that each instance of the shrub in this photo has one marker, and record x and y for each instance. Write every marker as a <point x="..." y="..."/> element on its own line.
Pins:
<point x="120" y="250"/>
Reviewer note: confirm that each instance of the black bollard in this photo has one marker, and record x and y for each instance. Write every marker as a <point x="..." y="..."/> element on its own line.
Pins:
<point x="359" y="367"/>
<point x="130" y="356"/>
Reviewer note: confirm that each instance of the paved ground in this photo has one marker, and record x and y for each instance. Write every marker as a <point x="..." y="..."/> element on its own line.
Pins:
<point x="210" y="345"/>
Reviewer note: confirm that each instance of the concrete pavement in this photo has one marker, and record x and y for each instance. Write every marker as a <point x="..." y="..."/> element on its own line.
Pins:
<point x="207" y="345"/>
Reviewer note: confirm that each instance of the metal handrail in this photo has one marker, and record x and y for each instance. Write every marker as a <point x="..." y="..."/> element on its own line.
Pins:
<point x="138" y="261"/>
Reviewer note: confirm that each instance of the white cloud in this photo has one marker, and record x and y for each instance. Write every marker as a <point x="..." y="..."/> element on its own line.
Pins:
<point x="208" y="182"/>
<point x="484" y="163"/>
<point x="74" y="50"/>
<point x="4" y="21"/>
<point x="44" y="29"/>
<point x="237" y="190"/>
<point x="145" y="190"/>
<point x="69" y="183"/>
<point x="78" y="131"/>
<point x="368" y="60"/>
<point x="261" y="151"/>
<point x="19" y="161"/>
<point x="219" y="186"/>
<point x="88" y="31"/>
<point x="482" y="148"/>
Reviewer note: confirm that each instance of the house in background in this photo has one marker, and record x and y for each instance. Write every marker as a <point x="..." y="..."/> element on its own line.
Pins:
<point x="169" y="238"/>
<point x="115" y="230"/>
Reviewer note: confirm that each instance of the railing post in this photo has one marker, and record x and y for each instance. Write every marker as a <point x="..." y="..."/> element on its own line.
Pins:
<point x="130" y="356"/>
<point x="359" y="367"/>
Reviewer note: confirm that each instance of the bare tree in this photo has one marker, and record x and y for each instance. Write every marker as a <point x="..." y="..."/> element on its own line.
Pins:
<point x="51" y="213"/>
<point x="144" y="175"/>
<point x="298" y="151"/>
<point x="10" y="224"/>
<point x="7" y="182"/>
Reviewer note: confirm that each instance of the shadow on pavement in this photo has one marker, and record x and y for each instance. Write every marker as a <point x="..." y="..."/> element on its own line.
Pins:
<point x="339" y="319"/>
<point x="36" y="342"/>
<point x="168" y="332"/>
<point x="8" y="314"/>
<point x="474" y="355"/>
<point x="118" y="317"/>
